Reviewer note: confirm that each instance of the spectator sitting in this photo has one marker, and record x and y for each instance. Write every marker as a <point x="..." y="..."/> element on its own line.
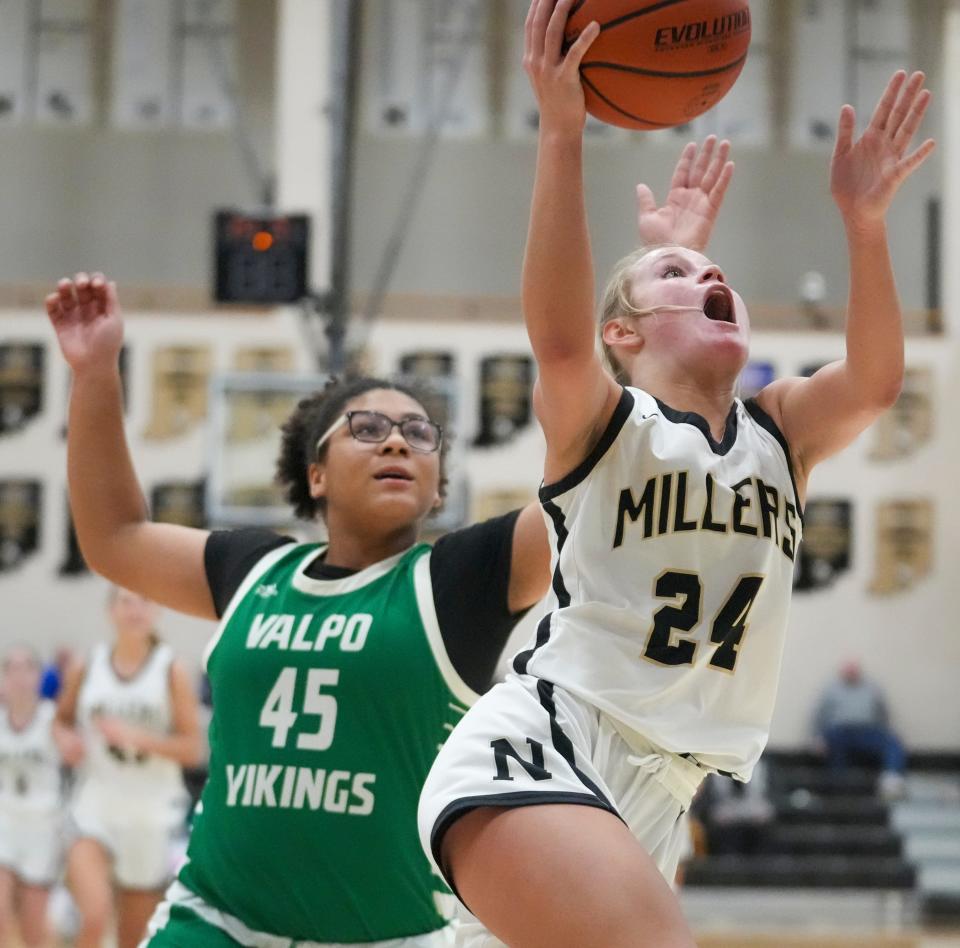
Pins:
<point x="852" y="718"/>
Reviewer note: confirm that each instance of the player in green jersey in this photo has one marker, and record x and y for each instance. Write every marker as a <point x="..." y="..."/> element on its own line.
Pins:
<point x="338" y="669"/>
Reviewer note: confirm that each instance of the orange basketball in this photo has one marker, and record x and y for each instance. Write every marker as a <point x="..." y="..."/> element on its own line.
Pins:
<point x="655" y="65"/>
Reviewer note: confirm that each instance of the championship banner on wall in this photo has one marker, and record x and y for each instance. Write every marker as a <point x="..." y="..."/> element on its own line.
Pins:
<point x="260" y="413"/>
<point x="21" y="384"/>
<point x="825" y="550"/>
<point x="207" y="63"/>
<point x="180" y="377"/>
<point x="144" y="45"/>
<point x="880" y="46"/>
<point x="14" y="59"/>
<point x="20" y="504"/>
<point x="63" y="67"/>
<point x="904" y="545"/>
<point x="424" y="55"/>
<point x="428" y="364"/>
<point x="73" y="562"/>
<point x="506" y="398"/>
<point x="179" y="502"/>
<point x="435" y="369"/>
<point x="818" y="59"/>
<point x="908" y="425"/>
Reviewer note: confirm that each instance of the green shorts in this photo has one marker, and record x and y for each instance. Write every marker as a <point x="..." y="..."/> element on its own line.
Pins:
<point x="185" y="929"/>
<point x="184" y="920"/>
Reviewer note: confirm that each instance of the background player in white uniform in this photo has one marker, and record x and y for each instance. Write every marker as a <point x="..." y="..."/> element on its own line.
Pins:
<point x="674" y="510"/>
<point x="128" y="721"/>
<point x="30" y="838"/>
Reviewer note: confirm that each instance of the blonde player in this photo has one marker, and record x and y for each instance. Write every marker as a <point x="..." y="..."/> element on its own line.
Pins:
<point x="30" y="798"/>
<point x="128" y="721"/>
<point x="363" y="456"/>
<point x="675" y="510"/>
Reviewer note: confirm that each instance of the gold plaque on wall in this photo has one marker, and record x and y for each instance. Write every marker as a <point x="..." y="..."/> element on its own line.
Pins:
<point x="73" y="562"/>
<point x="180" y="378"/>
<point x="908" y="425"/>
<point x="21" y="384"/>
<point x="825" y="551"/>
<point x="20" y="502"/>
<point x="506" y="398"/>
<point x="904" y="545"/>
<point x="179" y="502"/>
<point x="259" y="413"/>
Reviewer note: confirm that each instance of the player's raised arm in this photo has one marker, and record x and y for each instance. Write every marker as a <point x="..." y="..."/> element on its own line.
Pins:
<point x="824" y="413"/>
<point x="163" y="562"/>
<point x="574" y="395"/>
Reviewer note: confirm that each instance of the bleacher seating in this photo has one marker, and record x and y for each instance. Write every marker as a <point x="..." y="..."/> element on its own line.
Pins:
<point x="830" y="831"/>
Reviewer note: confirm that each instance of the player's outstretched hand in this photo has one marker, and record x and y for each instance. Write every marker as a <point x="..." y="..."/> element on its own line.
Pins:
<point x="865" y="174"/>
<point x="85" y="314"/>
<point x="555" y="74"/>
<point x="699" y="183"/>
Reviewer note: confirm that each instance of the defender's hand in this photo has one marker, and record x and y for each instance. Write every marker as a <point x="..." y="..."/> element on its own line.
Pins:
<point x="85" y="315"/>
<point x="697" y="189"/>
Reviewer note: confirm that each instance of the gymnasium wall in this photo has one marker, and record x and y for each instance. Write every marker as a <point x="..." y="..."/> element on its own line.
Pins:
<point x="906" y="639"/>
<point x="137" y="205"/>
<point x="138" y="201"/>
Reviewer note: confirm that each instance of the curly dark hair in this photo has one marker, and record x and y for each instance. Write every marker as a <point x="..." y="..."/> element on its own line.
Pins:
<point x="312" y="417"/>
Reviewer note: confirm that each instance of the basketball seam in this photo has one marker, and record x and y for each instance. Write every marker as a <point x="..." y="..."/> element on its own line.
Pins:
<point x="636" y="70"/>
<point x="617" y="108"/>
<point x="653" y="8"/>
<point x="627" y="17"/>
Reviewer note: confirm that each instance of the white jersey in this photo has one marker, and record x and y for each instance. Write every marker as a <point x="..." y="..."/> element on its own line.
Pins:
<point x="672" y="572"/>
<point x="29" y="763"/>
<point x="142" y="700"/>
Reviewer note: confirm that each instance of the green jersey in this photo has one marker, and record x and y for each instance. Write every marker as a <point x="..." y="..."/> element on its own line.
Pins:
<point x="330" y="701"/>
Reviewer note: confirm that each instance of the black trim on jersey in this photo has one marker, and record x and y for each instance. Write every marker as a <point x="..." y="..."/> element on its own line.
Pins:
<point x="768" y="424"/>
<point x="458" y="808"/>
<point x="563" y="744"/>
<point x="619" y="418"/>
<point x="560" y="526"/>
<point x="141" y="670"/>
<point x="521" y="659"/>
<point x="712" y="770"/>
<point x="700" y="423"/>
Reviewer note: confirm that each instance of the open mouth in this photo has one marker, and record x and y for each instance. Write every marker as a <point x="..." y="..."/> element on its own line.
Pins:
<point x="392" y="474"/>
<point x="718" y="305"/>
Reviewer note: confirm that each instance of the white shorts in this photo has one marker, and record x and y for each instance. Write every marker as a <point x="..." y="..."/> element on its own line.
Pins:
<point x="138" y="834"/>
<point x="528" y="742"/>
<point x="179" y="894"/>
<point x="31" y="846"/>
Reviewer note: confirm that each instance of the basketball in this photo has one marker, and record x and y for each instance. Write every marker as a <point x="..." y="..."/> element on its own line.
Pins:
<point x="655" y="65"/>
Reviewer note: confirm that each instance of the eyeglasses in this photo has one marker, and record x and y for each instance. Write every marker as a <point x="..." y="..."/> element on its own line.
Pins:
<point x="373" y="427"/>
